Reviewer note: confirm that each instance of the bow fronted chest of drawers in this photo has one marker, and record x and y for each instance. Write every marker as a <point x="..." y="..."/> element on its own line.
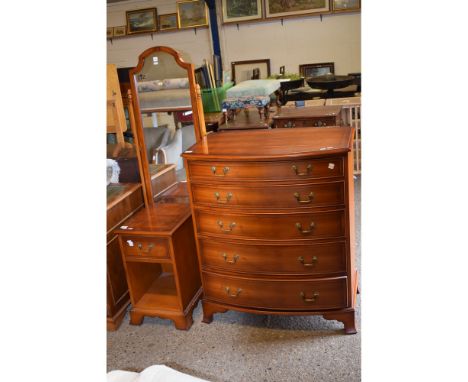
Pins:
<point x="273" y="213"/>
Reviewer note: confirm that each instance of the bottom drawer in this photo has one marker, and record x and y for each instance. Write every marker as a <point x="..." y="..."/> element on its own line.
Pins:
<point x="317" y="294"/>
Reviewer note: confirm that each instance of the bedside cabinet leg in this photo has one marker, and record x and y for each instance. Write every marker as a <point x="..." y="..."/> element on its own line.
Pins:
<point x="136" y="318"/>
<point x="183" y="323"/>
<point x="347" y="318"/>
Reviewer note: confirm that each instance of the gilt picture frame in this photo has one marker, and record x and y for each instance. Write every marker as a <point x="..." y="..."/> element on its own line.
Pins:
<point x="168" y="22"/>
<point x="345" y="5"/>
<point x="120" y="31"/>
<point x="192" y="14"/>
<point x="142" y="21"/>
<point x="235" y="11"/>
<point x="285" y="8"/>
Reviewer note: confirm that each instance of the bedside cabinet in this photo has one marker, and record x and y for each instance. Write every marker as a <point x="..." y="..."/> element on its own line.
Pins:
<point x="159" y="255"/>
<point x="307" y="116"/>
<point x="274" y="219"/>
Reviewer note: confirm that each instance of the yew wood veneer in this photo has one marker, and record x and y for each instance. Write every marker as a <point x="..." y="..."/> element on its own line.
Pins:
<point x="273" y="214"/>
<point x="160" y="260"/>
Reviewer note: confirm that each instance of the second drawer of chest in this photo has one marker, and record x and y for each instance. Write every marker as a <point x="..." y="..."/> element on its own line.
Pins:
<point x="329" y="293"/>
<point x="309" y="258"/>
<point x="261" y="196"/>
<point x="272" y="226"/>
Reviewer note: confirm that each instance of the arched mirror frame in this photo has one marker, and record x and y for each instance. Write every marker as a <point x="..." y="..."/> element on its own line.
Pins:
<point x="197" y="111"/>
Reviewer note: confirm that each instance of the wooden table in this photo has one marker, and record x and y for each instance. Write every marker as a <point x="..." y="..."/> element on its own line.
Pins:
<point x="330" y="82"/>
<point x="248" y="119"/>
<point x="308" y="116"/>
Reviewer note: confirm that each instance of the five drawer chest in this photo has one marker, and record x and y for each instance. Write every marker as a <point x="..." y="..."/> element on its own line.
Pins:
<point x="273" y="213"/>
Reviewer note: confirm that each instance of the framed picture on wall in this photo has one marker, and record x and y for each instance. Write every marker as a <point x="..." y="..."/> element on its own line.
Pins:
<point x="250" y="69"/>
<point x="241" y="10"/>
<point x="319" y="69"/>
<point x="110" y="32"/>
<point x="142" y="21"/>
<point x="192" y="13"/>
<point x="346" y="5"/>
<point x="168" y="22"/>
<point x="120" y="31"/>
<point x="280" y="8"/>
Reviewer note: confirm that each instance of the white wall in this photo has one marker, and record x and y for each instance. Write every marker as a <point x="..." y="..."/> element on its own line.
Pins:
<point x="301" y="40"/>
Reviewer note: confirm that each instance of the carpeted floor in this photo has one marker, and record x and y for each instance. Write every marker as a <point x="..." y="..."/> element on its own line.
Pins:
<point x="242" y="347"/>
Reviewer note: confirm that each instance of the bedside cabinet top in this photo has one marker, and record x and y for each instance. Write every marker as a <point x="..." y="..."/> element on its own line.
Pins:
<point x="273" y="144"/>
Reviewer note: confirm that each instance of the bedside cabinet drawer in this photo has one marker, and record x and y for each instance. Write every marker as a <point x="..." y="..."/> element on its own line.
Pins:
<point x="291" y="258"/>
<point x="268" y="196"/>
<point x="145" y="246"/>
<point x="280" y="170"/>
<point x="329" y="293"/>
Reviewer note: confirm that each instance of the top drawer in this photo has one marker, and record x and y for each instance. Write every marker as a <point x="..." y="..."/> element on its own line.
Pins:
<point x="278" y="170"/>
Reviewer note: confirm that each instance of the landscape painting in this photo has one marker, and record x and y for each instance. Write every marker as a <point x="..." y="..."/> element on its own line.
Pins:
<point x="241" y="10"/>
<point x="168" y="22"/>
<point x="141" y="21"/>
<point x="346" y="5"/>
<point x="280" y="8"/>
<point x="192" y="14"/>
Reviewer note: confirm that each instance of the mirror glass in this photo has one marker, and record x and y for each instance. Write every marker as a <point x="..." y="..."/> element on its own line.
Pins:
<point x="165" y="114"/>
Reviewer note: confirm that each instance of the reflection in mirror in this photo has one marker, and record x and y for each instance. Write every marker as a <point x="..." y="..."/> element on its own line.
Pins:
<point x="164" y="89"/>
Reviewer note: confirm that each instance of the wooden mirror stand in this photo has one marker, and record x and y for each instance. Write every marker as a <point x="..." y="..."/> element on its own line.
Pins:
<point x="152" y="57"/>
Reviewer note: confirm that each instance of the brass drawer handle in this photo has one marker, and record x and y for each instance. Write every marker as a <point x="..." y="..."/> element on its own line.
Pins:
<point x="150" y="247"/>
<point x="313" y="299"/>
<point x="305" y="201"/>
<point x="308" y="169"/>
<point x="301" y="260"/>
<point x="228" y="292"/>
<point x="233" y="261"/>
<point x="299" y="227"/>
<point x="231" y="226"/>
<point x="228" y="197"/>
<point x="225" y="171"/>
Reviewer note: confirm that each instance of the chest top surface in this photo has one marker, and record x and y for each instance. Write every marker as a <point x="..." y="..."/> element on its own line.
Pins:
<point x="272" y="144"/>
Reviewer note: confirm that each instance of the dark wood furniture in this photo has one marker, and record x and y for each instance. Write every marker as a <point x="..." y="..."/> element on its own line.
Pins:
<point x="274" y="219"/>
<point x="307" y="116"/>
<point x="159" y="256"/>
<point x="330" y="83"/>
<point x="123" y="200"/>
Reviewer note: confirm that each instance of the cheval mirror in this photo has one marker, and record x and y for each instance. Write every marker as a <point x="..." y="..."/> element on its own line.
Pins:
<point x="168" y="116"/>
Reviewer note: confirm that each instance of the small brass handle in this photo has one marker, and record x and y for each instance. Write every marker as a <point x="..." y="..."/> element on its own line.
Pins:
<point x="150" y="247"/>
<point x="299" y="227"/>
<point x="305" y="201"/>
<point x="231" y="226"/>
<point x="228" y="292"/>
<point x="313" y="299"/>
<point x="301" y="260"/>
<point x="225" y="171"/>
<point x="228" y="197"/>
<point x="308" y="169"/>
<point x="233" y="261"/>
